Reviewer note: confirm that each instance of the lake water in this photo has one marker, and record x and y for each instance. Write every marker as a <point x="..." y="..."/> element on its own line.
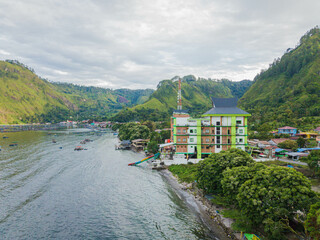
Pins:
<point x="50" y="191"/>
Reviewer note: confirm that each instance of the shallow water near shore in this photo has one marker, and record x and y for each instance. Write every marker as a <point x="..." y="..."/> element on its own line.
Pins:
<point x="48" y="190"/>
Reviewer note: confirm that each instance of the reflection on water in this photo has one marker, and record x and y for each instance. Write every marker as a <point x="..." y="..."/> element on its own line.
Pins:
<point x="48" y="190"/>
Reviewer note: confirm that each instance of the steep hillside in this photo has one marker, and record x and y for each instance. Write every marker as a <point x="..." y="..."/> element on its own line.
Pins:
<point x="24" y="97"/>
<point x="196" y="96"/>
<point x="290" y="88"/>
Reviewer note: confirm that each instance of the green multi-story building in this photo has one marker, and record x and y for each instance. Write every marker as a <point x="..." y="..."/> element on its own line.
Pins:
<point x="222" y="127"/>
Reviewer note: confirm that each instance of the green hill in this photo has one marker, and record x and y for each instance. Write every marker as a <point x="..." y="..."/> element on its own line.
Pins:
<point x="196" y="96"/>
<point x="289" y="91"/>
<point x="24" y="97"/>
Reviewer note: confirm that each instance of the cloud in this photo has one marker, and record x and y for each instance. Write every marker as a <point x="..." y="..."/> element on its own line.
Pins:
<point x="135" y="44"/>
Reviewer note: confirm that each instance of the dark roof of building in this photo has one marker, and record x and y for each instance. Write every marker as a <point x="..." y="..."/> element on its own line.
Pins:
<point x="224" y="102"/>
<point x="225" y="106"/>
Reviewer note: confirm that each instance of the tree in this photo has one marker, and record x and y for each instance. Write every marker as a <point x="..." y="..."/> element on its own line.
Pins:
<point x="313" y="161"/>
<point x="152" y="147"/>
<point x="301" y="142"/>
<point x="273" y="197"/>
<point x="312" y="224"/>
<point x="209" y="174"/>
<point x="233" y="179"/>
<point x="288" y="144"/>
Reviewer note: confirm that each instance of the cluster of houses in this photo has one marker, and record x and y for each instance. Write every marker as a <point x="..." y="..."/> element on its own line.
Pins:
<point x="270" y="149"/>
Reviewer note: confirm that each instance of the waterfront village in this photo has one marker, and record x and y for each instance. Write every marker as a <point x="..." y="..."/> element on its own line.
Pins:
<point x="223" y="127"/>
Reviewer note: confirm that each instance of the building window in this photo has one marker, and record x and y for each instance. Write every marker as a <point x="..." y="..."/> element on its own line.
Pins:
<point x="207" y="131"/>
<point x="191" y="139"/>
<point x="218" y="123"/>
<point x="207" y="140"/>
<point x="228" y="131"/>
<point x="238" y="122"/>
<point x="218" y="139"/>
<point x="191" y="146"/>
<point x="191" y="131"/>
<point x="218" y="146"/>
<point x="207" y="147"/>
<point x="184" y="139"/>
<point x="240" y="140"/>
<point x="229" y="141"/>
<point x="241" y="131"/>
<point x="218" y="131"/>
<point x="195" y="131"/>
<point x="184" y="131"/>
<point x="212" y="131"/>
<point x="213" y="140"/>
<point x="179" y="140"/>
<point x="179" y="131"/>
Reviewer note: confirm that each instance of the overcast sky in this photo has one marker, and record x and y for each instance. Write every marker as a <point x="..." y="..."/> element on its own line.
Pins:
<point x="135" y="44"/>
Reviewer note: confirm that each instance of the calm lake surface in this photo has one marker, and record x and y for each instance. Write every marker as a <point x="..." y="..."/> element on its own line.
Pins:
<point x="52" y="193"/>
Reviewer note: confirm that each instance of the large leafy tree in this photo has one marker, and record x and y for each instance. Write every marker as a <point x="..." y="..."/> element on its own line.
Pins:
<point x="288" y="144"/>
<point x="131" y="131"/>
<point x="274" y="196"/>
<point x="209" y="174"/>
<point x="233" y="179"/>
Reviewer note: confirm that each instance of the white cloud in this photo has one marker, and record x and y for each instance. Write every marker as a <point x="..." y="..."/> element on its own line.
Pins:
<point x="136" y="44"/>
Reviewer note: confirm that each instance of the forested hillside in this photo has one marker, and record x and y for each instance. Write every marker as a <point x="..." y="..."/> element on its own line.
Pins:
<point x="196" y="96"/>
<point x="25" y="98"/>
<point x="288" y="93"/>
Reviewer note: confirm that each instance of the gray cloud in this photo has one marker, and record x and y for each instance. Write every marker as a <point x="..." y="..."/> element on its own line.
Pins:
<point x="136" y="44"/>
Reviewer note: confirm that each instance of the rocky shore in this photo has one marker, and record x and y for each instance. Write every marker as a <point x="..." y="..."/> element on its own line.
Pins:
<point x="207" y="212"/>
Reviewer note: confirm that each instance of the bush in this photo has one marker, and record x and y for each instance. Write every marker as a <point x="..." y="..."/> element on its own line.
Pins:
<point x="312" y="224"/>
<point x="185" y="172"/>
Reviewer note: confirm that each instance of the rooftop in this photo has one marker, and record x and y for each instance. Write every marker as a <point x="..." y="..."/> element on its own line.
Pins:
<point x="287" y="127"/>
<point x="225" y="106"/>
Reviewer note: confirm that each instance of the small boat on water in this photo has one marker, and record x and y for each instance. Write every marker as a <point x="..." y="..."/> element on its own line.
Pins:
<point x="5" y="137"/>
<point x="79" y="148"/>
<point x="54" y="141"/>
<point x="13" y="144"/>
<point x="83" y="142"/>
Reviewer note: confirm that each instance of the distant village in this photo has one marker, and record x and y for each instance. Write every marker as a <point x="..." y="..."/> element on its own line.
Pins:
<point x="293" y="146"/>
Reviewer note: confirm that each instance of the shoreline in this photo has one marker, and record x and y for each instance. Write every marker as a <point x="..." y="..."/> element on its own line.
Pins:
<point x="204" y="209"/>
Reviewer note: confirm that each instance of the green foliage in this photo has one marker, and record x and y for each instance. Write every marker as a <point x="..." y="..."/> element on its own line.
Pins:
<point x="209" y="174"/>
<point x="301" y="142"/>
<point x="27" y="98"/>
<point x="184" y="172"/>
<point x="313" y="160"/>
<point x="196" y="96"/>
<point x="131" y="131"/>
<point x="289" y="91"/>
<point x="234" y="178"/>
<point x="273" y="197"/>
<point x="152" y="147"/>
<point x="312" y="224"/>
<point x="288" y="144"/>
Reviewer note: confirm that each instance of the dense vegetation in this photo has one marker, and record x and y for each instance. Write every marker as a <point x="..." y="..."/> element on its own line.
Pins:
<point x="25" y="97"/>
<point x="288" y="92"/>
<point x="196" y="97"/>
<point x="144" y="130"/>
<point x="264" y="198"/>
